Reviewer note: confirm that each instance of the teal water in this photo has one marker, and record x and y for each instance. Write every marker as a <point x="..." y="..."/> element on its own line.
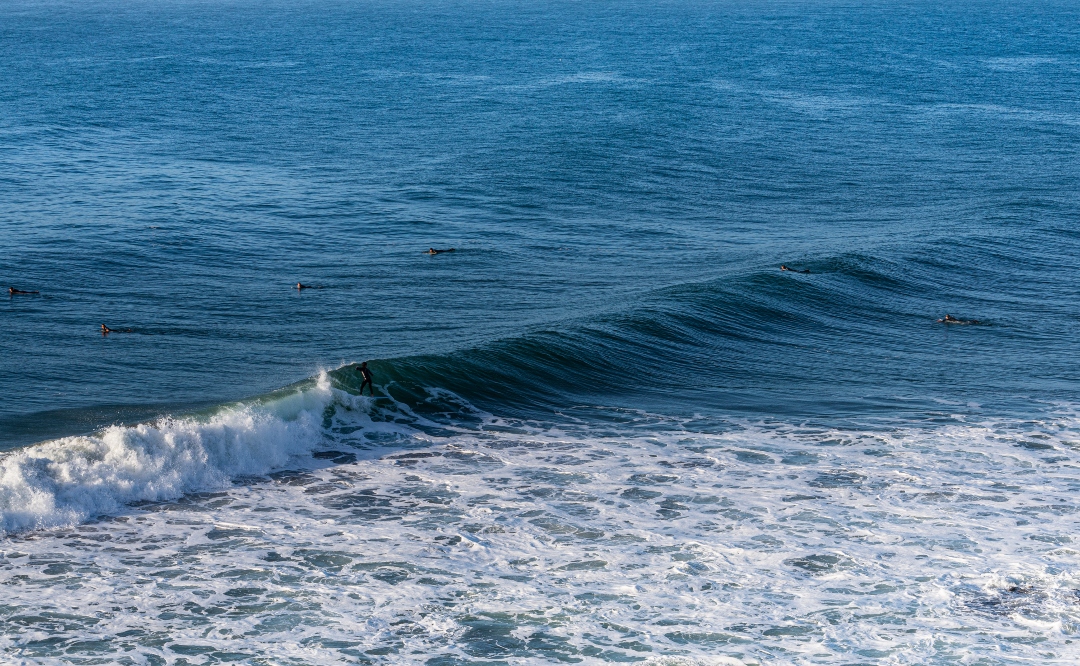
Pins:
<point x="621" y="183"/>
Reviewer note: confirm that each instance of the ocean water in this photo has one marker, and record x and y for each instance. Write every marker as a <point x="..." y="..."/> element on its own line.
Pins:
<point x="607" y="428"/>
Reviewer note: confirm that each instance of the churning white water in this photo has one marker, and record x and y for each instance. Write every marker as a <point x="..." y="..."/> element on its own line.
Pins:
<point x="404" y="541"/>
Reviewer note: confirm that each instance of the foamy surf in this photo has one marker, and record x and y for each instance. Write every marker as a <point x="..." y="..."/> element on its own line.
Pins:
<point x="651" y="541"/>
<point x="66" y="481"/>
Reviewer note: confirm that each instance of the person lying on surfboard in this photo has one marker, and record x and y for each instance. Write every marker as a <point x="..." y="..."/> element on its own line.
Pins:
<point x="432" y="250"/>
<point x="949" y="319"/>
<point x="105" y="330"/>
<point x="12" y="291"/>
<point x="793" y="270"/>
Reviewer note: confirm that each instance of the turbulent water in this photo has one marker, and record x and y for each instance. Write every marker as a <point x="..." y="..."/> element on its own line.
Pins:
<point x="607" y="427"/>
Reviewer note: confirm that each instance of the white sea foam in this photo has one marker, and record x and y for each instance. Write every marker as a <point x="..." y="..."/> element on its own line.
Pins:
<point x="652" y="541"/>
<point x="68" y="480"/>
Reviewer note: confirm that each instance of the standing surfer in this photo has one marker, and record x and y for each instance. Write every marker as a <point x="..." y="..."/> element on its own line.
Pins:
<point x="363" y="370"/>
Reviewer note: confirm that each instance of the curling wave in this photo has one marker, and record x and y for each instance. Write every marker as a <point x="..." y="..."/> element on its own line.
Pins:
<point x="857" y="336"/>
<point x="68" y="480"/>
<point x="764" y="343"/>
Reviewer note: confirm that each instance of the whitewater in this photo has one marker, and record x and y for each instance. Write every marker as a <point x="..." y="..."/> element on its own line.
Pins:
<point x="313" y="526"/>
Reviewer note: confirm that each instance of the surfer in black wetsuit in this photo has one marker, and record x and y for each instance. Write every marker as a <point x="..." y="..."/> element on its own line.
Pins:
<point x="949" y="319"/>
<point x="432" y="250"/>
<point x="301" y="287"/>
<point x="12" y="291"/>
<point x="363" y="370"/>
<point x="105" y="330"/>
<point x="792" y="270"/>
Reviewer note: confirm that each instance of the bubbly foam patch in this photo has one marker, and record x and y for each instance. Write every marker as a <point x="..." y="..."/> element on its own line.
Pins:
<point x="648" y="542"/>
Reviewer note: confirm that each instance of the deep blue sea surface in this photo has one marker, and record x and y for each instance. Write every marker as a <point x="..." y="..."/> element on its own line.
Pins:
<point x="606" y="427"/>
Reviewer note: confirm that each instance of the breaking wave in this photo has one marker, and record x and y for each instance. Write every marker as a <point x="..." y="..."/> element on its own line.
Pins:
<point x="68" y="480"/>
<point x="763" y="345"/>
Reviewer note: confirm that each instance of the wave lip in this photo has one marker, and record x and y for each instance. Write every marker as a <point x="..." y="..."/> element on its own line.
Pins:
<point x="66" y="481"/>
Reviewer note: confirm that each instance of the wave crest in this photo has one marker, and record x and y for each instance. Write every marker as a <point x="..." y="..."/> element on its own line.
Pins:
<point x="68" y="480"/>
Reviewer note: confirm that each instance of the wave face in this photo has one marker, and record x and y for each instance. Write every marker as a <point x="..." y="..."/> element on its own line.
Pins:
<point x="841" y="346"/>
<point x="851" y="340"/>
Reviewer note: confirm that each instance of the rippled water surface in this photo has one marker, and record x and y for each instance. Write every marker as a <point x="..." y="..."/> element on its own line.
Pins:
<point x="606" y="427"/>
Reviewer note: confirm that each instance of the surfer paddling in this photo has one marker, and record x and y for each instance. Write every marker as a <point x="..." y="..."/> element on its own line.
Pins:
<point x="105" y="330"/>
<point x="949" y="319"/>
<point x="366" y="374"/>
<point x="12" y="291"/>
<point x="432" y="250"/>
<point x="792" y="270"/>
<point x="301" y="286"/>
